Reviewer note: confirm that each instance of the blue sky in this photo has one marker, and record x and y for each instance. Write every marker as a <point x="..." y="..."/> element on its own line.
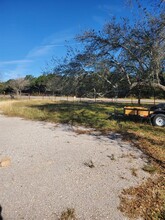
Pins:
<point x="33" y="31"/>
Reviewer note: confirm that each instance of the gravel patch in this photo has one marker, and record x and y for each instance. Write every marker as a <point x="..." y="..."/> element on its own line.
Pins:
<point x="48" y="171"/>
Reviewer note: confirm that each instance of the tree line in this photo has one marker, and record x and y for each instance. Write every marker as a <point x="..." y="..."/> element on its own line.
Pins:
<point x="123" y="59"/>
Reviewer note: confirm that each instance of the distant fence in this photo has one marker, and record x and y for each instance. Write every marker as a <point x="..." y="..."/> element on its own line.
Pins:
<point x="73" y="99"/>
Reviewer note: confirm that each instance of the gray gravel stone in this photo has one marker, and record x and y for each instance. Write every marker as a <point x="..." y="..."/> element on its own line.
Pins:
<point x="47" y="172"/>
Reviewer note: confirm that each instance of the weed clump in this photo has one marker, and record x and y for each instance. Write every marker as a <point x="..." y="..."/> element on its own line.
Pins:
<point x="89" y="164"/>
<point x="69" y="214"/>
<point x="149" y="168"/>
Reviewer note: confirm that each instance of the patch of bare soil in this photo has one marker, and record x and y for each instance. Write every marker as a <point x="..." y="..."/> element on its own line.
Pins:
<point x="5" y="162"/>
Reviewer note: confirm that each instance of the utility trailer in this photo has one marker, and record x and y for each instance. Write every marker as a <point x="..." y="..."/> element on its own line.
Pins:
<point x="156" y="113"/>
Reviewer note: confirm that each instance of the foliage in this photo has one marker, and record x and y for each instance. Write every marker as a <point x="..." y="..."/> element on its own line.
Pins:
<point x="18" y="84"/>
<point x="133" y="53"/>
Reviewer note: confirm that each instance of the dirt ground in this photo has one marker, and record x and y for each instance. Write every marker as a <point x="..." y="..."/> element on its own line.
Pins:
<point x="47" y="168"/>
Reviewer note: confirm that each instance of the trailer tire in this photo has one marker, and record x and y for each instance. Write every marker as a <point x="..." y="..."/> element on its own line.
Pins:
<point x="159" y="120"/>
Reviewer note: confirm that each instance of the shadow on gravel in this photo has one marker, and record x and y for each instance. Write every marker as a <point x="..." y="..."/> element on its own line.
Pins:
<point x="0" y="213"/>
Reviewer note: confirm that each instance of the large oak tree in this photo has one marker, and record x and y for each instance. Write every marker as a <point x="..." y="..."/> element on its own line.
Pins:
<point x="132" y="51"/>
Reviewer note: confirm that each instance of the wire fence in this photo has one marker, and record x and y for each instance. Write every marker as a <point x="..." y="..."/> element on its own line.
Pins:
<point x="26" y="96"/>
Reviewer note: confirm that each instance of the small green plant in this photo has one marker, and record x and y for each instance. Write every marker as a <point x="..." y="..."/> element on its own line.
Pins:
<point x="149" y="168"/>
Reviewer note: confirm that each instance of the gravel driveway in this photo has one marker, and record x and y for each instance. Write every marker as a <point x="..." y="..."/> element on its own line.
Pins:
<point x="45" y="169"/>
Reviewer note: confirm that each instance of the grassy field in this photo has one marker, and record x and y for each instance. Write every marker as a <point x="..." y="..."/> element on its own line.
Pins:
<point x="151" y="140"/>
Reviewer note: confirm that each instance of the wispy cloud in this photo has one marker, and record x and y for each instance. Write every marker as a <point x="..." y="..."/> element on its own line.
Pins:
<point x="11" y="62"/>
<point x="8" y="74"/>
<point x="48" y="44"/>
<point x="39" y="51"/>
<point x="106" y="12"/>
<point x="37" y="56"/>
<point x="99" y="19"/>
<point x="110" y="9"/>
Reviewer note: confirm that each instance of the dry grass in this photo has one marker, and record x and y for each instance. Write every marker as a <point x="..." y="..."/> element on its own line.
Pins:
<point x="83" y="131"/>
<point x="146" y="200"/>
<point x="151" y="143"/>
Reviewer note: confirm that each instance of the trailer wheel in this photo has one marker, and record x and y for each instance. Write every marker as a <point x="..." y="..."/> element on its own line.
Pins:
<point x="159" y="120"/>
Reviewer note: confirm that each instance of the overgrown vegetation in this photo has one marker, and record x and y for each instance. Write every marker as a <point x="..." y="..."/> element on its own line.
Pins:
<point x="97" y="115"/>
